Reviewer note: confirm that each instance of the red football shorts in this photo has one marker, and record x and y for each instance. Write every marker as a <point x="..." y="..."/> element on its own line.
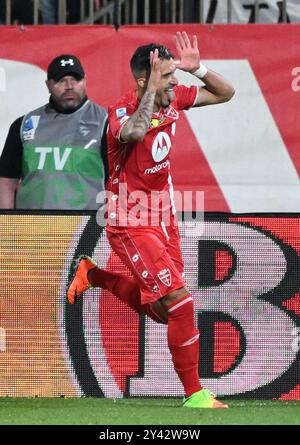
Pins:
<point x="153" y="256"/>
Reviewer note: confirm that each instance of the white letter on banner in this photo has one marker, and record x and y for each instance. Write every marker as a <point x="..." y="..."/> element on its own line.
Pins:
<point x="269" y="331"/>
<point x="296" y="81"/>
<point x="2" y="80"/>
<point x="22" y="80"/>
<point x="243" y="146"/>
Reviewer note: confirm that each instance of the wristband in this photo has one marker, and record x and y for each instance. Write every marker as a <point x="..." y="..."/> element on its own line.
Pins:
<point x="201" y="71"/>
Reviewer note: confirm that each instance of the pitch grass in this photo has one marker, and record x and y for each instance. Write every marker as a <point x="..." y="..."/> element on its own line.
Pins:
<point x="147" y="411"/>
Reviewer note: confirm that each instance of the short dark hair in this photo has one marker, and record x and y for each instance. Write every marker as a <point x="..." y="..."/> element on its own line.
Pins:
<point x="140" y="60"/>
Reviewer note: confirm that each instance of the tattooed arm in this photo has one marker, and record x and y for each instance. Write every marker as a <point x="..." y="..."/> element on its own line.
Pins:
<point x="137" y="125"/>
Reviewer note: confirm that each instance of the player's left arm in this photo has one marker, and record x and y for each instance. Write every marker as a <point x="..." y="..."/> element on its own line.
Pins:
<point x="216" y="89"/>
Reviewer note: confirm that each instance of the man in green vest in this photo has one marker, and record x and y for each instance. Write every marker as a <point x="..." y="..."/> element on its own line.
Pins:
<point x="55" y="157"/>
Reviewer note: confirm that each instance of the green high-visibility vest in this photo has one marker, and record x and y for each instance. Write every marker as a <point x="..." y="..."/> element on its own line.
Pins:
<point x="62" y="166"/>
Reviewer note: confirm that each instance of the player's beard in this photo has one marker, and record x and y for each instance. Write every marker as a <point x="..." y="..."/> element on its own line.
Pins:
<point x="167" y="96"/>
<point x="171" y="94"/>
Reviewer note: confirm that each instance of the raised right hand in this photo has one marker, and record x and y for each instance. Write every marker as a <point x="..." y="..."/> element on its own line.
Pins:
<point x="155" y="74"/>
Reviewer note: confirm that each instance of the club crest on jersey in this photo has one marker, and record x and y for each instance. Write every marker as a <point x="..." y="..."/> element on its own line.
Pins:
<point x="172" y="113"/>
<point x="121" y="112"/>
<point x="30" y="127"/>
<point x="165" y="277"/>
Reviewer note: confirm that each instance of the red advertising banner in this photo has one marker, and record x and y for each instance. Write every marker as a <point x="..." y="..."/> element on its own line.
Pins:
<point x="243" y="154"/>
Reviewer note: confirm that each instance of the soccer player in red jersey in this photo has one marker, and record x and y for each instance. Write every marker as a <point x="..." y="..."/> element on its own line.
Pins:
<point x="141" y="226"/>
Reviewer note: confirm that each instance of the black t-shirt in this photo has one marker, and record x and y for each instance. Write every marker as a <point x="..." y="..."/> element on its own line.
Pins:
<point x="11" y="158"/>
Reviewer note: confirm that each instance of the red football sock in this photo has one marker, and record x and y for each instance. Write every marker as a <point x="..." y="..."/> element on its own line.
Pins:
<point x="183" y="341"/>
<point x="124" y="288"/>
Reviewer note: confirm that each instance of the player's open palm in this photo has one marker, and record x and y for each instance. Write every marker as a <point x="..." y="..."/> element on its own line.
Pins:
<point x="188" y="52"/>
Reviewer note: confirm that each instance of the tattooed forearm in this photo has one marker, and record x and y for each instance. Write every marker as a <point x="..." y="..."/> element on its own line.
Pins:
<point x="136" y="127"/>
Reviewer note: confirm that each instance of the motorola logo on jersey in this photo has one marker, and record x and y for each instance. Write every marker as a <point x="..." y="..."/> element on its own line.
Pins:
<point x="161" y="146"/>
<point x="157" y="167"/>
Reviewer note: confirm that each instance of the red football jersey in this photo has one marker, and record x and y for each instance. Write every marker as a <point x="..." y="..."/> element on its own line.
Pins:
<point x="140" y="186"/>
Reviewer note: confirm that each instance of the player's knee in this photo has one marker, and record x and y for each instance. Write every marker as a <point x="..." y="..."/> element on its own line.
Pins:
<point x="174" y="296"/>
<point x="158" y="308"/>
